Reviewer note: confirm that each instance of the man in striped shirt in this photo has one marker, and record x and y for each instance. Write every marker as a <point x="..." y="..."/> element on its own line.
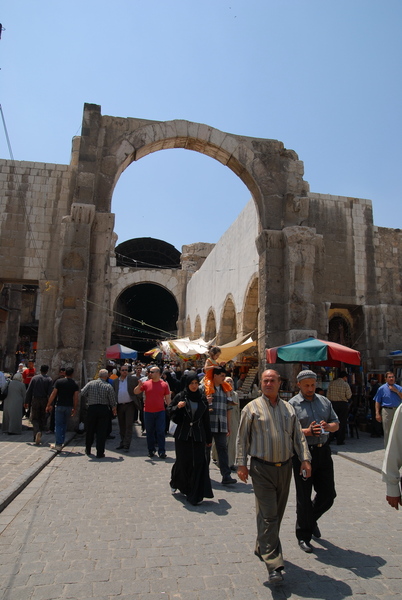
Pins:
<point x="270" y="433"/>
<point x="100" y="399"/>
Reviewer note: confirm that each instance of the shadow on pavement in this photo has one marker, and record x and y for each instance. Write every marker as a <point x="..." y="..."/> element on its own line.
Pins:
<point x="304" y="583"/>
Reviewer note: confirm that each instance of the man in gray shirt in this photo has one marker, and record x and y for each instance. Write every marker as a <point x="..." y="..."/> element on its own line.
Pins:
<point x="318" y="419"/>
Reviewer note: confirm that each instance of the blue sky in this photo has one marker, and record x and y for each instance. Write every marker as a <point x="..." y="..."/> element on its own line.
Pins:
<point x="323" y="77"/>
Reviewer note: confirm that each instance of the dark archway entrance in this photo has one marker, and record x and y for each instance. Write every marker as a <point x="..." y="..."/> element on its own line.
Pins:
<point x="144" y="314"/>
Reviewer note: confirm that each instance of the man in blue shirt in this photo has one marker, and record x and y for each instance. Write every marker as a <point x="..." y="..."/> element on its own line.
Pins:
<point x="387" y="400"/>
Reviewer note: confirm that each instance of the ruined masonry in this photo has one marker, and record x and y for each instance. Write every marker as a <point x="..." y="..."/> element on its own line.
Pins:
<point x="298" y="262"/>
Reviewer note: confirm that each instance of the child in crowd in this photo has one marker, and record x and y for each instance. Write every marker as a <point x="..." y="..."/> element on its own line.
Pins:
<point x="210" y="364"/>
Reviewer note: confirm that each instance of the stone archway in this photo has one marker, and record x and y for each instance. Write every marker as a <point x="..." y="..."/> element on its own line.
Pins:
<point x="197" y="327"/>
<point x="144" y="313"/>
<point x="250" y="309"/>
<point x="210" y="327"/>
<point x="106" y="147"/>
<point x="228" y="327"/>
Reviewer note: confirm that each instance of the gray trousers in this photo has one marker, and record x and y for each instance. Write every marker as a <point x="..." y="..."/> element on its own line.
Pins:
<point x="271" y="489"/>
<point x="125" y="417"/>
<point x="387" y="416"/>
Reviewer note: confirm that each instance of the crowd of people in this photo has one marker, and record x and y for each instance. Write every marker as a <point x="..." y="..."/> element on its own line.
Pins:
<point x="269" y="440"/>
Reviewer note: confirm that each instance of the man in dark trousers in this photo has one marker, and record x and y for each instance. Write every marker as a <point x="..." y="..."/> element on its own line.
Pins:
<point x="126" y="404"/>
<point x="66" y="391"/>
<point x="318" y="419"/>
<point x="100" y="398"/>
<point x="38" y="393"/>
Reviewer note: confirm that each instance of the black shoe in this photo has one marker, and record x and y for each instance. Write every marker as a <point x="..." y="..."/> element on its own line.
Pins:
<point x="163" y="455"/>
<point x="126" y="449"/>
<point x="305" y="546"/>
<point x="119" y="447"/>
<point x="275" y="576"/>
<point x="228" y="481"/>
<point x="110" y="437"/>
<point x="151" y="454"/>
<point x="316" y="531"/>
<point x="88" y="452"/>
<point x="100" y="456"/>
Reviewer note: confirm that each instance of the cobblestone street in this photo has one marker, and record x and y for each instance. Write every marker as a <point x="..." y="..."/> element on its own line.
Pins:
<point x="110" y="529"/>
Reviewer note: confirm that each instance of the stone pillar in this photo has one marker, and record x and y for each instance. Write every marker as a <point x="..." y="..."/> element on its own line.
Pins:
<point x="271" y="286"/>
<point x="300" y="249"/>
<point x="12" y="328"/>
<point x="99" y="309"/>
<point x="290" y="307"/>
<point x="72" y="293"/>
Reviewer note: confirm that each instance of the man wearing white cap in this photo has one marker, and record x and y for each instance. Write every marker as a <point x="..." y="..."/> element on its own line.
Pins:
<point x="318" y="419"/>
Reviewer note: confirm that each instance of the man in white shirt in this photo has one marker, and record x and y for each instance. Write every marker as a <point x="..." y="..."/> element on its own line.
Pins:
<point x="393" y="461"/>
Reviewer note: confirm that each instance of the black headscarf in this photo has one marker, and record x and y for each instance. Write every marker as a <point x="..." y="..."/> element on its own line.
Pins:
<point x="193" y="396"/>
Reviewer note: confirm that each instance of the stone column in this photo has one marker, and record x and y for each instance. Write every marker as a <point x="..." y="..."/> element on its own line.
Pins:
<point x="290" y="307"/>
<point x="271" y="286"/>
<point x="99" y="310"/>
<point x="71" y="305"/>
<point x="12" y="328"/>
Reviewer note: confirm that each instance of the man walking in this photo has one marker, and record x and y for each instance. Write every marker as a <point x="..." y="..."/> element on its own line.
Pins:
<point x="100" y="399"/>
<point x="387" y="400"/>
<point x="318" y="419"/>
<point x="156" y="397"/>
<point x="270" y="433"/>
<point x="124" y="390"/>
<point x="36" y="399"/>
<point x="220" y="425"/>
<point x="339" y="393"/>
<point x="393" y="462"/>
<point x="66" y="391"/>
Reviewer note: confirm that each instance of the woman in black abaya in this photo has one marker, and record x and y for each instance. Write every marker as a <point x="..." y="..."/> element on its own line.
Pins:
<point x="190" y="473"/>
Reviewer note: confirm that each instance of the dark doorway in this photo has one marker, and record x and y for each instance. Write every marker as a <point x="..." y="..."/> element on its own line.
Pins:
<point x="145" y="314"/>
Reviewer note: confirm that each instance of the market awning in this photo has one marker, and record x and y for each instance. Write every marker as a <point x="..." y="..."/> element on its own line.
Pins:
<point x="239" y="345"/>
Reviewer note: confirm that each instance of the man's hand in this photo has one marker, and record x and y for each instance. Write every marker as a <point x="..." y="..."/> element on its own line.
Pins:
<point x="242" y="473"/>
<point x="114" y="411"/>
<point x="394" y="501"/>
<point x="378" y="418"/>
<point x="49" y="408"/>
<point x="315" y="429"/>
<point x="305" y="466"/>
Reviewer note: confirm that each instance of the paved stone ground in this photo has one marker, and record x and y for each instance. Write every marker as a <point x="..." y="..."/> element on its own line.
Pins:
<point x="110" y="529"/>
<point x="21" y="460"/>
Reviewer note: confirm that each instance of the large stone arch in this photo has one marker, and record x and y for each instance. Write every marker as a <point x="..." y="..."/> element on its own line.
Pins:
<point x="106" y="147"/>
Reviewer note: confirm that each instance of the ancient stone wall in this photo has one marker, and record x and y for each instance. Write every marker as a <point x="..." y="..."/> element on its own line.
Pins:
<point x="310" y="253"/>
<point x="34" y="198"/>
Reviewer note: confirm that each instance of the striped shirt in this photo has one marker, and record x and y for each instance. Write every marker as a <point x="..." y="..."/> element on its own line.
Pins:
<point x="271" y="433"/>
<point x="219" y="415"/>
<point x="99" y="391"/>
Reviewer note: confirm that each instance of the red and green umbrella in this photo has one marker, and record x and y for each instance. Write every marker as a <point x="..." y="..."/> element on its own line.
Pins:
<point x="311" y="350"/>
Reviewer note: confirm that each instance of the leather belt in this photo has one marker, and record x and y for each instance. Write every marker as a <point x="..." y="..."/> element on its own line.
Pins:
<point x="271" y="464"/>
<point x="317" y="446"/>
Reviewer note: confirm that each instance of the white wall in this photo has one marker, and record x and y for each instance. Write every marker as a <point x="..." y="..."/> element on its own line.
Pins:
<point x="229" y="268"/>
